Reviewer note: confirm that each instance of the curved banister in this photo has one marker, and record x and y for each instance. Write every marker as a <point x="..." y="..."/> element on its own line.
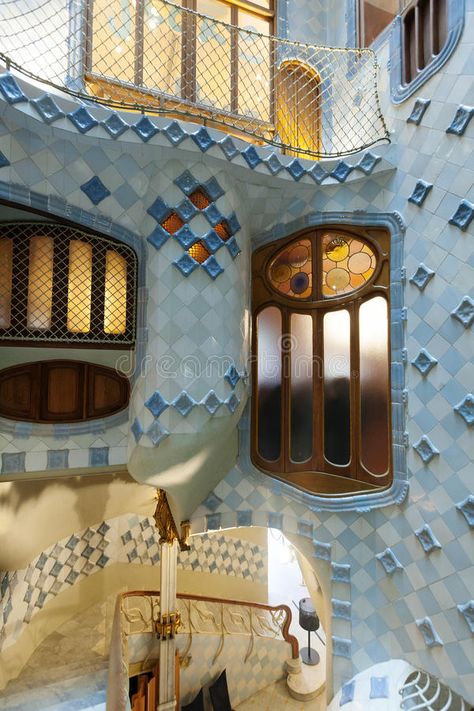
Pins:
<point x="290" y="639"/>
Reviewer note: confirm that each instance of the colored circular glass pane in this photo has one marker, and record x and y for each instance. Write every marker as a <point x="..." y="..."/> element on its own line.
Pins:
<point x="298" y="256"/>
<point x="337" y="249"/>
<point x="337" y="279"/>
<point x="359" y="263"/>
<point x="280" y="272"/>
<point x="299" y="282"/>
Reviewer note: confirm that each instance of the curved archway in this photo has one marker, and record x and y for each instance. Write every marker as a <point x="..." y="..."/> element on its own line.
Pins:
<point x="298" y="107"/>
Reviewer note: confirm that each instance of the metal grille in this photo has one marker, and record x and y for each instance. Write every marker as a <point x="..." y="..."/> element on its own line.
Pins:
<point x="60" y="284"/>
<point x="154" y="56"/>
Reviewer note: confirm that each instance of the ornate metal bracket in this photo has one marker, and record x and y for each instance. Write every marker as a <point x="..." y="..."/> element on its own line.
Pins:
<point x="167" y="627"/>
<point x="166" y="525"/>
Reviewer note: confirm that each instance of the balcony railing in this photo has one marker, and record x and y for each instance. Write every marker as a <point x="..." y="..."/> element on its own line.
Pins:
<point x="154" y="56"/>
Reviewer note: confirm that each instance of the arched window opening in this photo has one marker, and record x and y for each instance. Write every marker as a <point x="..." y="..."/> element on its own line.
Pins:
<point x="298" y="101"/>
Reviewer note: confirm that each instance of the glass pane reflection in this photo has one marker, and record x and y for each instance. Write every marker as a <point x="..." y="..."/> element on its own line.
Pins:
<point x="269" y="383"/>
<point x="301" y="436"/>
<point x="373" y="340"/>
<point x="337" y="366"/>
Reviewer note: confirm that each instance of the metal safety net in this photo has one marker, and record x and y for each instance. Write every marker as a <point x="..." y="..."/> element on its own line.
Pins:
<point x="62" y="284"/>
<point x="155" y="56"/>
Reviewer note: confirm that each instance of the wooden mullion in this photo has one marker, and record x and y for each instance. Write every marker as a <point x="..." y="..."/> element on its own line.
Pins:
<point x="285" y="404"/>
<point x="59" y="304"/>
<point x="139" y="41"/>
<point x="234" y="60"/>
<point x="354" y="392"/>
<point x="318" y="391"/>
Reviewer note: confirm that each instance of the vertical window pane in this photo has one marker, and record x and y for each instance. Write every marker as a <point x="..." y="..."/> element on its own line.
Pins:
<point x="115" y="302"/>
<point x="254" y="68"/>
<point x="297" y="89"/>
<point x="40" y="283"/>
<point x="337" y="368"/>
<point x="213" y="55"/>
<point x="79" y="287"/>
<point x="374" y="383"/>
<point x="269" y="383"/>
<point x="6" y="263"/>
<point x="301" y="436"/>
<point x="114" y="39"/>
<point x="162" y="47"/>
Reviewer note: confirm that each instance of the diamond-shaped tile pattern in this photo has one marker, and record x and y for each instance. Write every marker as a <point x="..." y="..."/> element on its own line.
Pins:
<point x="389" y="561"/>
<point x="419" y="108"/>
<point x="156" y="433"/>
<point x="184" y="404"/>
<point x="10" y="89"/>
<point x="427" y="539"/>
<point x="431" y="637"/>
<point x="464" y="311"/>
<point x="424" y="362"/>
<point x="115" y="125"/>
<point x="467" y="611"/>
<point x="466" y="507"/>
<point x="461" y="120"/>
<point x="95" y="190"/>
<point x="422" y="276"/>
<point x="462" y="218"/>
<point x="466" y="409"/>
<point x="420" y="192"/>
<point x="186" y="264"/>
<point x="82" y="120"/>
<point x="145" y="129"/>
<point x="426" y="449"/>
<point x="156" y="404"/>
<point x="47" y="108"/>
<point x="203" y="139"/>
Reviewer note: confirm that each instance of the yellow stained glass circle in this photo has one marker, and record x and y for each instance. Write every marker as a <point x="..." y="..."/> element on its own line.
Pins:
<point x="337" y="249"/>
<point x="337" y="279"/>
<point x="280" y="273"/>
<point x="359" y="263"/>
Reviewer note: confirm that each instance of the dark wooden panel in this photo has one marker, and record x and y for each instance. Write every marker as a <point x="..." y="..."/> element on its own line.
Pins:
<point x="62" y="391"/>
<point x="107" y="391"/>
<point x="18" y="392"/>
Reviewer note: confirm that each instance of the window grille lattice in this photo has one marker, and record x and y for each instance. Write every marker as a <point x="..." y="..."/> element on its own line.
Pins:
<point x="158" y="57"/>
<point x="61" y="284"/>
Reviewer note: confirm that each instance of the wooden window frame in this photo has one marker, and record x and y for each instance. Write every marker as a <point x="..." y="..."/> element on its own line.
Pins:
<point x="361" y="23"/>
<point x="317" y="475"/>
<point x="188" y="57"/>
<point x="57" y="335"/>
<point x="431" y="31"/>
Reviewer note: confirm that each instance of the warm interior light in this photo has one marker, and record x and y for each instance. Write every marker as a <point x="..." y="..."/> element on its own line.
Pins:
<point x="115" y="303"/>
<point x="6" y="264"/>
<point x="40" y="283"/>
<point x="79" y="287"/>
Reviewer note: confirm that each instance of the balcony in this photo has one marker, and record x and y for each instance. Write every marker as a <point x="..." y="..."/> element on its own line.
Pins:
<point x="158" y="57"/>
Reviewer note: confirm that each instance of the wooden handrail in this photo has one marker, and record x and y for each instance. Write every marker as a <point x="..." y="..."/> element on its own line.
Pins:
<point x="289" y="638"/>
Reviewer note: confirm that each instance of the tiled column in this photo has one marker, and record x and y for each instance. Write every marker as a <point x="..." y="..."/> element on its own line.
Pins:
<point x="166" y="687"/>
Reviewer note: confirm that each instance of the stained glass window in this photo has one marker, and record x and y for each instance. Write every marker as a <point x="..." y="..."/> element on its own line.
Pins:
<point x="348" y="264"/>
<point x="321" y="386"/>
<point x="290" y="272"/>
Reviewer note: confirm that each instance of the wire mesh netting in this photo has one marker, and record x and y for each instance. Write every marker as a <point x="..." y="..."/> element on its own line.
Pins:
<point x="59" y="284"/>
<point x="156" y="56"/>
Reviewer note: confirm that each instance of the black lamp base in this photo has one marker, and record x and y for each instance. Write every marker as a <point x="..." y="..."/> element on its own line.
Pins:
<point x="310" y="656"/>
